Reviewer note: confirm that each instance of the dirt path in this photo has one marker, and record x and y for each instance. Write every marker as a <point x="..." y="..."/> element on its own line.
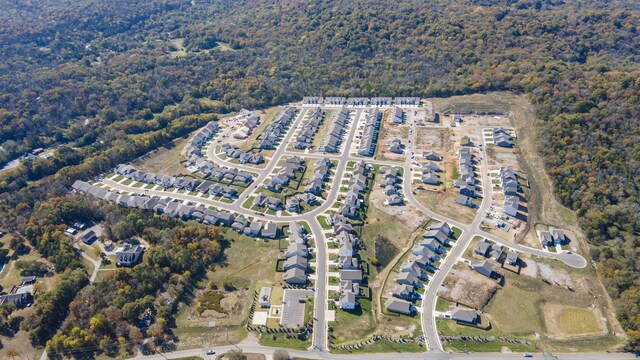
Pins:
<point x="385" y="273"/>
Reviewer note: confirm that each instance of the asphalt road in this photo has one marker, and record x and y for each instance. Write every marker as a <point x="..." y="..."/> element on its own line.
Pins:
<point x="315" y="354"/>
<point x="428" y="319"/>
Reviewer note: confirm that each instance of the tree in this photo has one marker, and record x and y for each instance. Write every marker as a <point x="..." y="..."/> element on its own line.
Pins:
<point x="235" y="355"/>
<point x="281" y="354"/>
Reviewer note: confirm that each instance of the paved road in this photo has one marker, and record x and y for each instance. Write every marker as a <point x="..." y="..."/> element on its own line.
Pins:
<point x="315" y="354"/>
<point x="468" y="230"/>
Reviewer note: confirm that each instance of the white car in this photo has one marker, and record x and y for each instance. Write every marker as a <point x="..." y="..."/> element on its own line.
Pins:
<point x="211" y="352"/>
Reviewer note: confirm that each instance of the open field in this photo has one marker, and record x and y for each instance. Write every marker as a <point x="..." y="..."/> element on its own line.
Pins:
<point x="247" y="262"/>
<point x="165" y="160"/>
<point x="566" y="321"/>
<point x="444" y="203"/>
<point x="527" y="304"/>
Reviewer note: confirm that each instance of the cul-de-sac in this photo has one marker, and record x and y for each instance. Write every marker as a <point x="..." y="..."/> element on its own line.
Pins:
<point x="368" y="225"/>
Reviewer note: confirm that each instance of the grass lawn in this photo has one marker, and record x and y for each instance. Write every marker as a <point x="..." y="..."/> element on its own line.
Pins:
<point x="278" y="341"/>
<point x="449" y="327"/>
<point x="443" y="304"/>
<point x="149" y="186"/>
<point x="324" y="222"/>
<point x="138" y="184"/>
<point x="385" y="346"/>
<point x="523" y="316"/>
<point x="577" y="321"/>
<point x="118" y="178"/>
<point x="456" y="232"/>
<point x="444" y="203"/>
<point x="353" y="325"/>
<point x="127" y="182"/>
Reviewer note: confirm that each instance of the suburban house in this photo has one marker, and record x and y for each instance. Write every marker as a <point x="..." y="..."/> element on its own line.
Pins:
<point x="545" y="238"/>
<point x="482" y="247"/>
<point x="558" y="236"/>
<point x="88" y="237"/>
<point x="397" y="116"/>
<point x="400" y="306"/>
<point x="20" y="300"/>
<point x="512" y="257"/>
<point x="348" y="300"/>
<point x="484" y="268"/>
<point x="296" y="262"/>
<point x="404" y="292"/>
<point x="295" y="276"/>
<point x="463" y="315"/>
<point x="270" y="230"/>
<point x="129" y="254"/>
<point x="432" y="155"/>
<point x="353" y="275"/>
<point x="407" y="278"/>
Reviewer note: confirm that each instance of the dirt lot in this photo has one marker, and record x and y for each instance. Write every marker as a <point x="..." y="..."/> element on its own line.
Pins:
<point x="406" y="215"/>
<point x="389" y="132"/>
<point x="444" y="203"/>
<point x="468" y="288"/>
<point x="165" y="160"/>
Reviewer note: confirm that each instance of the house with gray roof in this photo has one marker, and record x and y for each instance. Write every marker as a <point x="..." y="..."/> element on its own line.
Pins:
<point x="270" y="230"/>
<point x="129" y="254"/>
<point x="295" y="276"/>
<point x="297" y="262"/>
<point x="407" y="278"/>
<point x="348" y="301"/>
<point x="484" y="268"/>
<point x="253" y="229"/>
<point x="464" y="315"/>
<point x="482" y="247"/>
<point x="353" y="275"/>
<point x="400" y="306"/>
<point x="403" y="291"/>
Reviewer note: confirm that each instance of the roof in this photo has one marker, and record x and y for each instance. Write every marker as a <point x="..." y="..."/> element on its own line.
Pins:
<point x="397" y="305"/>
<point x="463" y="314"/>
<point x="353" y="275"/>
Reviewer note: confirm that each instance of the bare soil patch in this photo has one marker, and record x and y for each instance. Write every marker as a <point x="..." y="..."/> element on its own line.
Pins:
<point x="470" y="289"/>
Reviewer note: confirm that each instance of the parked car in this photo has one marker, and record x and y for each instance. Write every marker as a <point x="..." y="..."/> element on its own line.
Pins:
<point x="211" y="352"/>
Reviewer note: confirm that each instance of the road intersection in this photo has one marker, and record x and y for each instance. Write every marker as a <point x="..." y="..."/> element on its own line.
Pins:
<point x="469" y="231"/>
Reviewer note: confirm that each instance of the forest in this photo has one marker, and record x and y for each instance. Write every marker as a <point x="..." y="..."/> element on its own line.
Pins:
<point x="109" y="82"/>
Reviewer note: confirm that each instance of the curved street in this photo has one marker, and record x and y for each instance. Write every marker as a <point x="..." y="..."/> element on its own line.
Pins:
<point x="469" y="231"/>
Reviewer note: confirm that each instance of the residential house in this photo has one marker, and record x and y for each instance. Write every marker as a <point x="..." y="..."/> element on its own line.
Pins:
<point x="270" y="230"/>
<point x="295" y="276"/>
<point x="400" y="306"/>
<point x="484" y="268"/>
<point x="482" y="247"/>
<point x="129" y="254"/>
<point x="468" y="316"/>
<point x="296" y="262"/>
<point x="348" y="301"/>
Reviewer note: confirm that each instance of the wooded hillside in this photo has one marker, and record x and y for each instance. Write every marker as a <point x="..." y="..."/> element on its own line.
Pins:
<point x="99" y="77"/>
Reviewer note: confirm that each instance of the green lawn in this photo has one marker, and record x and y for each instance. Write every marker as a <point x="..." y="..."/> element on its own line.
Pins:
<point x="385" y="346"/>
<point x="456" y="232"/>
<point x="279" y="341"/>
<point x="127" y="182"/>
<point x="354" y="325"/>
<point x="117" y="178"/>
<point x="138" y="184"/>
<point x="443" y="304"/>
<point x="516" y="311"/>
<point x="449" y="327"/>
<point x="324" y="222"/>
